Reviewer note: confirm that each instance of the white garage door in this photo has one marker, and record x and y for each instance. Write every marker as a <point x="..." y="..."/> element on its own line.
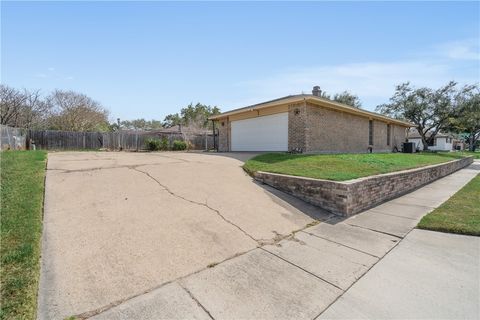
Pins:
<point x="267" y="133"/>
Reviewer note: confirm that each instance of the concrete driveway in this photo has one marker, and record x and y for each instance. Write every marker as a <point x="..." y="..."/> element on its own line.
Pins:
<point x="117" y="225"/>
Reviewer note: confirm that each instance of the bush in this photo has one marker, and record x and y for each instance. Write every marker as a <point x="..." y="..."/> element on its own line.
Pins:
<point x="164" y="144"/>
<point x="153" y="144"/>
<point x="179" y="145"/>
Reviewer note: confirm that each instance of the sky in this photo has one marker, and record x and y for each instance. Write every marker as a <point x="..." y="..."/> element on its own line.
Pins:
<point x="150" y="59"/>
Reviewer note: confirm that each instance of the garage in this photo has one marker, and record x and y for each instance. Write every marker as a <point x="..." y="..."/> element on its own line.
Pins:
<point x="265" y="133"/>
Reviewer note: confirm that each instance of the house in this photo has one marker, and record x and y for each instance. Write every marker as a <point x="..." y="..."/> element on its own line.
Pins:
<point x="441" y="142"/>
<point x="308" y="123"/>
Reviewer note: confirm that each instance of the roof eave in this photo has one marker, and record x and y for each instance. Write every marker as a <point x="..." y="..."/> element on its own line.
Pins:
<point x="353" y="110"/>
<point x="267" y="104"/>
<point x="318" y="101"/>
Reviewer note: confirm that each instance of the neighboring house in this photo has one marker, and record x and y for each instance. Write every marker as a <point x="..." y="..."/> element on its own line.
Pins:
<point x="308" y="123"/>
<point x="441" y="142"/>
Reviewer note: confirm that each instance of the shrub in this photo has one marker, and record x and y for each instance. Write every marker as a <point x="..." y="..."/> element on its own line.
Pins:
<point x="164" y="144"/>
<point x="153" y="144"/>
<point x="179" y="145"/>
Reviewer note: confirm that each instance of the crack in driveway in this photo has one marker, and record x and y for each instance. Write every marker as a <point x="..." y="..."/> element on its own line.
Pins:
<point x="197" y="203"/>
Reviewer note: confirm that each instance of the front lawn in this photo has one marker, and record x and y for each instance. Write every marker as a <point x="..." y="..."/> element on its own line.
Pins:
<point x="475" y="154"/>
<point x="460" y="214"/>
<point x="22" y="186"/>
<point x="340" y="167"/>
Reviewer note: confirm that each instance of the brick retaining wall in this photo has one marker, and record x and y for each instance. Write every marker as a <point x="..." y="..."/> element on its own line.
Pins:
<point x="347" y="198"/>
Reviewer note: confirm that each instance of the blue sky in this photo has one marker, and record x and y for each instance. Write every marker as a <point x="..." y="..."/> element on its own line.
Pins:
<point x="149" y="59"/>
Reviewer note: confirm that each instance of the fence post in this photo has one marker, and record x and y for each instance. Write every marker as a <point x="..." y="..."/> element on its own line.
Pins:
<point x="84" y="140"/>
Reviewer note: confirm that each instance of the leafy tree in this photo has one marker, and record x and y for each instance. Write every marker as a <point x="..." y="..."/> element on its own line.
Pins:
<point x="348" y="98"/>
<point x="140" y="124"/>
<point x="344" y="97"/>
<point x="430" y="110"/>
<point x="172" y="120"/>
<point x="192" y="116"/>
<point x="466" y="117"/>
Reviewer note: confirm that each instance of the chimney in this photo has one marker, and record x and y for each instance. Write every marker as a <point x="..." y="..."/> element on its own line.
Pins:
<point x="316" y="91"/>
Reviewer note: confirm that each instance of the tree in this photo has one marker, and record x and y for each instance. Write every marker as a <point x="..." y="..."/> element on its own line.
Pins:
<point x="429" y="110"/>
<point x="139" y="124"/>
<point x="11" y="102"/>
<point x="344" y="97"/>
<point x="35" y="111"/>
<point x="72" y="111"/>
<point x="24" y="109"/>
<point x="348" y="98"/>
<point x="466" y="117"/>
<point x="172" y="120"/>
<point x="192" y="116"/>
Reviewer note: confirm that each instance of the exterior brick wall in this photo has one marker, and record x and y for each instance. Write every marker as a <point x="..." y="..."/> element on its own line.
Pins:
<point x="380" y="137"/>
<point x="329" y="131"/>
<point x="347" y="198"/>
<point x="223" y="135"/>
<point x="380" y="134"/>
<point x="297" y="118"/>
<point x="398" y="136"/>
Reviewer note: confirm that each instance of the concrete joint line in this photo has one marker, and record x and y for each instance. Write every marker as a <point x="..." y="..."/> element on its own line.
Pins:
<point x="315" y="235"/>
<point x="367" y="271"/>
<point x="196" y="300"/>
<point x="391" y="215"/>
<point x="195" y="202"/>
<point x="91" y="313"/>
<point x="388" y="234"/>
<point x="304" y="270"/>
<point x="112" y="167"/>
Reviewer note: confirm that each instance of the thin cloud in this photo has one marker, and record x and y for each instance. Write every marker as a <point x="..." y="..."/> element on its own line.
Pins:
<point x="374" y="82"/>
<point x="461" y="50"/>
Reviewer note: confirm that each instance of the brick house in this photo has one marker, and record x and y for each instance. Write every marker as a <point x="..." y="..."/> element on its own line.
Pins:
<point x="307" y="123"/>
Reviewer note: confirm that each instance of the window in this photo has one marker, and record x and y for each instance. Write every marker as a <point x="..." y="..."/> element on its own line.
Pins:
<point x="389" y="129"/>
<point x="370" y="132"/>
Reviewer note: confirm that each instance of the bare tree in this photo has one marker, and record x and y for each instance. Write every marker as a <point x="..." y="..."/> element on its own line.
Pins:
<point x="26" y="109"/>
<point x="35" y="111"/>
<point x="72" y="111"/>
<point x="11" y="102"/>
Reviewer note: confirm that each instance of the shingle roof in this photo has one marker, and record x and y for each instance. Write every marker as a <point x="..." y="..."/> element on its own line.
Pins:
<point x="314" y="99"/>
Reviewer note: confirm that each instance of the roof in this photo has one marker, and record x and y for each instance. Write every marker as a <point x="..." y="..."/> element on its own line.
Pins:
<point x="415" y="135"/>
<point x="315" y="100"/>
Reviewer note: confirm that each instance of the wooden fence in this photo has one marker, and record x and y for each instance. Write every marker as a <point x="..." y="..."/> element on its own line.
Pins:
<point x="121" y="140"/>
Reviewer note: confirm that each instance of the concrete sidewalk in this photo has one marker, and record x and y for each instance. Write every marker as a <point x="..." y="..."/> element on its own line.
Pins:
<point x="430" y="275"/>
<point x="314" y="273"/>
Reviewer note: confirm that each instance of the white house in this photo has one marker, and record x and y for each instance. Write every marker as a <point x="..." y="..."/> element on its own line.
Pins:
<point x="442" y="142"/>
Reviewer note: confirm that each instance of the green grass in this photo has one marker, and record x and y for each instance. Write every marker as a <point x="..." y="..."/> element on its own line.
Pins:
<point x="22" y="186"/>
<point x="475" y="154"/>
<point x="340" y="167"/>
<point x="460" y="214"/>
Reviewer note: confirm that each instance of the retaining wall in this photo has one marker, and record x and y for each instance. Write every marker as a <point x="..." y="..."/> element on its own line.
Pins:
<point x="347" y="198"/>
